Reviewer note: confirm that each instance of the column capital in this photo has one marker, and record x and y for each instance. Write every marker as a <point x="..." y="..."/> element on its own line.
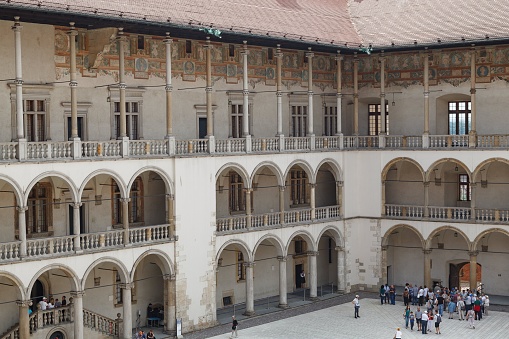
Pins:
<point x="73" y="83"/>
<point x="76" y="205"/>
<point x="170" y="277"/>
<point x="382" y="95"/>
<point x="473" y="91"/>
<point x="245" y="92"/>
<point x="72" y="30"/>
<point x="339" y="183"/>
<point x="168" y="40"/>
<point x="473" y="253"/>
<point x="18" y="82"/>
<point x="312" y="185"/>
<point x="207" y="44"/>
<point x="385" y="247"/>
<point x="249" y="264"/>
<point x="281" y="258"/>
<point x="127" y="286"/>
<point x="24" y="303"/>
<point x="122" y="85"/>
<point x="339" y="57"/>
<point x="22" y="209"/>
<point x="426" y="94"/>
<point x="170" y="196"/>
<point x="310" y="55"/>
<point x="312" y="253"/>
<point x="279" y="93"/>
<point x="282" y="188"/>
<point x="356" y="95"/>
<point x="427" y="251"/>
<point x="17" y="25"/>
<point x="77" y="294"/>
<point x="168" y="88"/>
<point x="426" y="184"/>
<point x="339" y="248"/>
<point x="125" y="200"/>
<point x="208" y="89"/>
<point x="248" y="190"/>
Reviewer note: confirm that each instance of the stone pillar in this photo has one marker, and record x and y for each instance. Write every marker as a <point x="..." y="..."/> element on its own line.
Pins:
<point x="312" y="275"/>
<point x="383" y="113"/>
<point x="245" y="92"/>
<point x="125" y="219"/>
<point x="248" y="207"/>
<point x="473" y="269"/>
<point x="169" y="305"/>
<point x="77" y="301"/>
<point x="249" y="289"/>
<point x="76" y="227"/>
<point x="283" y="303"/>
<point x="426" y="199"/>
<point x="355" y="95"/>
<point x="310" y="55"/>
<point x="73" y="84"/>
<point x="339" y="196"/>
<point x="341" y="282"/>
<point x="208" y="88"/>
<point x="24" y="321"/>
<point x="121" y="82"/>
<point x="22" y="229"/>
<point x="383" y="212"/>
<point x="279" y="94"/>
<point x="169" y="88"/>
<point x="473" y="190"/>
<point x="472" y="135"/>
<point x="425" y="135"/>
<point x="427" y="267"/>
<point x="20" y="128"/>
<point x="170" y="201"/>
<point x="339" y="97"/>
<point x="384" y="264"/>
<point x="127" y="310"/>
<point x="282" y="204"/>
<point x="312" y="189"/>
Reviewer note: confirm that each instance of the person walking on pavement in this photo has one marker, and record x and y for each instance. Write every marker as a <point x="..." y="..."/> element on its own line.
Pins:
<point x="424" y="322"/>
<point x="418" y="317"/>
<point x="356" y="305"/>
<point x="235" y="324"/>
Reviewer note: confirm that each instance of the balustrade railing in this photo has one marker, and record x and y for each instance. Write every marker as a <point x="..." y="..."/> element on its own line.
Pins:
<point x="493" y="141"/>
<point x="403" y="141"/>
<point x="100" y="323"/>
<point x="327" y="142"/>
<point x="267" y="219"/>
<point x="450" y="213"/>
<point x="193" y="146"/>
<point x="231" y="224"/>
<point x="148" y="147"/>
<point x="10" y="250"/>
<point x="149" y="233"/>
<point x="491" y="215"/>
<point x="265" y="144"/>
<point x="368" y="141"/>
<point x="8" y="151"/>
<point x="444" y="141"/>
<point x="52" y="317"/>
<point x="231" y="145"/>
<point x="298" y="144"/>
<point x="49" y="246"/>
<point x="107" y="149"/>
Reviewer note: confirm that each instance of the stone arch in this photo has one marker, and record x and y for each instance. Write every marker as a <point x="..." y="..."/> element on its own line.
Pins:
<point x="69" y="181"/>
<point x="60" y="329"/>
<point x="404" y="159"/>
<point x="243" y="247"/>
<point x="304" y="165"/>
<point x="338" y="238"/>
<point x="429" y="239"/>
<point x="166" y="264"/>
<point x="167" y="181"/>
<point x="443" y="161"/>
<point x="486" y="232"/>
<point x="237" y="168"/>
<point x="273" y="167"/>
<point x="479" y="167"/>
<point x="337" y="172"/>
<point x="274" y="241"/>
<point x="123" y="272"/>
<point x="304" y="235"/>
<point x="118" y="179"/>
<point x="73" y="277"/>
<point x="19" y="285"/>
<point x="18" y="192"/>
<point x="385" y="238"/>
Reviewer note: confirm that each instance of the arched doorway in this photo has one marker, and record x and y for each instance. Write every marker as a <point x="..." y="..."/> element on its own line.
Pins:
<point x="459" y="275"/>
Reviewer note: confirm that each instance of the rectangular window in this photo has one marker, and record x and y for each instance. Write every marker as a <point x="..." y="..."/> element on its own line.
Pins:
<point x="300" y="246"/>
<point x="237" y="196"/>
<point x="241" y="269"/>
<point x="330" y="115"/>
<point x="132" y="110"/>
<point x="35" y="120"/>
<point x="464" y="189"/>
<point x="460" y="118"/>
<point x="375" y="120"/>
<point x="38" y="215"/>
<point x="299" y="183"/>
<point x="299" y="122"/>
<point x="135" y="207"/>
<point x="270" y="54"/>
<point x="237" y="116"/>
<point x="141" y="42"/>
<point x="118" y="289"/>
<point x="231" y="50"/>
<point x="189" y="48"/>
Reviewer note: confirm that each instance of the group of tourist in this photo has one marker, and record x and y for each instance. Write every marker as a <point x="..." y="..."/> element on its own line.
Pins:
<point x="44" y="304"/>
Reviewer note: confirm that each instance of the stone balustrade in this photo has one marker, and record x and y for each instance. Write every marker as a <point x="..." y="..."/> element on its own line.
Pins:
<point x="101" y="323"/>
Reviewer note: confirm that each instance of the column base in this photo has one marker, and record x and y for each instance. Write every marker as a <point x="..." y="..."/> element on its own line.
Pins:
<point x="283" y="306"/>
<point x="341" y="292"/>
<point x="249" y="313"/>
<point x="314" y="298"/>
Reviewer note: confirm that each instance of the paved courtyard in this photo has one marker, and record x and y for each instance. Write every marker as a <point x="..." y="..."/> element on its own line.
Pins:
<point x="376" y="321"/>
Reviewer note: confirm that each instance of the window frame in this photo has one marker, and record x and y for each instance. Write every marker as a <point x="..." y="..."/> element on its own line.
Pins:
<point x="138" y="200"/>
<point x="457" y="112"/>
<point x="240" y="272"/>
<point x="237" y="100"/>
<point x="47" y="202"/>
<point x="299" y="188"/>
<point x="375" y="113"/>
<point x="464" y="188"/>
<point x="330" y="119"/>
<point x="132" y="96"/>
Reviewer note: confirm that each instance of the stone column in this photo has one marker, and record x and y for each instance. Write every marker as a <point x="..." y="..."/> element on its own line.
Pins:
<point x="20" y="129"/>
<point x="384" y="264"/>
<point x="22" y="229"/>
<point x="125" y="219"/>
<point x="425" y="135"/>
<point x="310" y="55"/>
<point x="121" y="82"/>
<point x="76" y="227"/>
<point x="355" y="95"/>
<point x="312" y="189"/>
<point x="473" y="269"/>
<point x="383" y="212"/>
<point x="341" y="282"/>
<point x="73" y="84"/>
<point x="279" y="94"/>
<point x="24" y="321"/>
<point x="426" y="199"/>
<point x="77" y="301"/>
<point x="282" y="204"/>
<point x="283" y="303"/>
<point x="427" y="267"/>
<point x="127" y="310"/>
<point x="169" y="87"/>
<point x="169" y="305"/>
<point x="245" y="92"/>
<point x="339" y="196"/>
<point x="208" y="88"/>
<point x="339" y="97"/>
<point x="249" y="289"/>
<point x="312" y="275"/>
<point x="170" y="201"/>
<point x="473" y="190"/>
<point x="248" y="207"/>
<point x="383" y="118"/>
<point x="472" y="138"/>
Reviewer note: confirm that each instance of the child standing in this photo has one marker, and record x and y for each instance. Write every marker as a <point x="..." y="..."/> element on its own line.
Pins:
<point x="412" y="320"/>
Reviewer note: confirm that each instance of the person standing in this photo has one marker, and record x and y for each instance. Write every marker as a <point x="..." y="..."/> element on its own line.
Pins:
<point x="461" y="307"/>
<point x="412" y="320"/>
<point x="470" y="318"/>
<point x="235" y="325"/>
<point x="387" y="297"/>
<point x="382" y="294"/>
<point x="64" y="301"/>
<point x="424" y="322"/>
<point x="356" y="305"/>
<point x="392" y="293"/>
<point x="486" y="305"/>
<point x="451" y="308"/>
<point x="440" y="303"/>
<point x="43" y="304"/>
<point x="406" y="315"/>
<point x="415" y="292"/>
<point x="477" y="309"/>
<point x="438" y="320"/>
<point x="418" y="317"/>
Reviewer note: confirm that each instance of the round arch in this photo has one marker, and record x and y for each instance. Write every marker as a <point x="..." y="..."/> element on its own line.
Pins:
<point x="73" y="277"/>
<point x="486" y="232"/>
<point x="273" y="167"/>
<point x="237" y="168"/>
<point x="19" y="285"/>
<point x="243" y="247"/>
<point x="305" y="166"/>
<point x="274" y="241"/>
<point x="123" y="272"/>
<point x="402" y="159"/>
<point x="166" y="264"/>
<point x="385" y="238"/>
<point x="168" y="183"/>
<point x="443" y="161"/>
<point x="338" y="238"/>
<point x="118" y="179"/>
<point x="69" y="181"/>
<point x="479" y="167"/>
<point x="304" y="235"/>
<point x="337" y="172"/>
<point x="446" y="228"/>
<point x="18" y="192"/>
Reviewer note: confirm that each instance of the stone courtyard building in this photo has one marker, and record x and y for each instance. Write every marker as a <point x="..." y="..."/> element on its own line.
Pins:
<point x="197" y="154"/>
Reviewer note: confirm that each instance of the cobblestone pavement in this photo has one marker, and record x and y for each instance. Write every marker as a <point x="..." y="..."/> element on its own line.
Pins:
<point x="333" y="318"/>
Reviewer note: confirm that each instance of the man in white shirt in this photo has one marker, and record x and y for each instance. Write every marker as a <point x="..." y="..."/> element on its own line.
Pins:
<point x="426" y="290"/>
<point x="420" y="296"/>
<point x="424" y="322"/>
<point x="43" y="303"/>
<point x="356" y="305"/>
